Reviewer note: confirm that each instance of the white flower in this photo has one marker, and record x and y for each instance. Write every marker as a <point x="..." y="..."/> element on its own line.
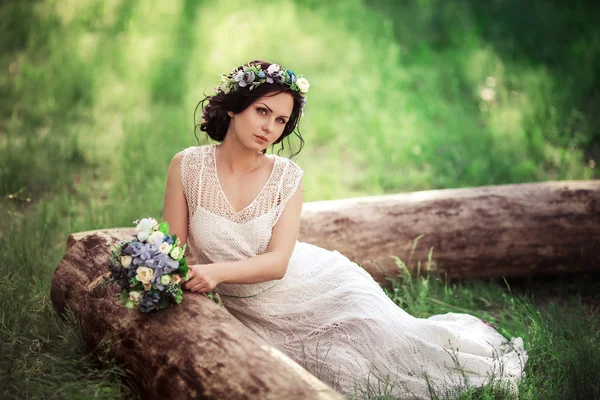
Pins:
<point x="156" y="238"/>
<point x="165" y="248"/>
<point x="146" y="224"/>
<point x="147" y="286"/>
<point x="144" y="274"/>
<point x="224" y="88"/>
<point x="176" y="278"/>
<point x="273" y="68"/>
<point x="303" y="85"/>
<point x="125" y="261"/>
<point x="238" y="76"/>
<point x="135" y="296"/>
<point x="165" y="279"/>
<point x="143" y="236"/>
<point x="176" y="253"/>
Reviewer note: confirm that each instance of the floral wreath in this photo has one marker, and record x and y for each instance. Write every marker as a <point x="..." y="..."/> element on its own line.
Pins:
<point x="251" y="76"/>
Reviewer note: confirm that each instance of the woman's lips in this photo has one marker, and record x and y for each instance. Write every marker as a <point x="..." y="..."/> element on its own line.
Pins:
<point x="260" y="139"/>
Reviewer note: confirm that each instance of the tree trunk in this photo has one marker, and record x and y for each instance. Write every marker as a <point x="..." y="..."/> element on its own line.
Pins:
<point x="483" y="232"/>
<point x="192" y="350"/>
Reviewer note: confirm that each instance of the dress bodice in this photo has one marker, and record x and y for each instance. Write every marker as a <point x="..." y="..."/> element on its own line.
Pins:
<point x="216" y="232"/>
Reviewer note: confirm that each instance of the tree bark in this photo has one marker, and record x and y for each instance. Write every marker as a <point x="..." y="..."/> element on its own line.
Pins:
<point x="193" y="350"/>
<point x="484" y="232"/>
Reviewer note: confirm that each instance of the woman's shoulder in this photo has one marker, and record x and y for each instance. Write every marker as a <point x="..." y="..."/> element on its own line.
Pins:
<point x="191" y="158"/>
<point x="290" y="165"/>
<point x="294" y="165"/>
<point x="193" y="152"/>
<point x="195" y="149"/>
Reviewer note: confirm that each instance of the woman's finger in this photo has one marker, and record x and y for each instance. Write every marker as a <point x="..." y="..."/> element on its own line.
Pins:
<point x="197" y="287"/>
<point x="190" y="283"/>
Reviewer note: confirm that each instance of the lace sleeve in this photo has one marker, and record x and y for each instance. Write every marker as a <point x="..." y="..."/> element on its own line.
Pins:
<point x="192" y="164"/>
<point x="289" y="184"/>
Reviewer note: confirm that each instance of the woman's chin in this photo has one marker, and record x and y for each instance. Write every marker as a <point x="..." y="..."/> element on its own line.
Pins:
<point x="258" y="145"/>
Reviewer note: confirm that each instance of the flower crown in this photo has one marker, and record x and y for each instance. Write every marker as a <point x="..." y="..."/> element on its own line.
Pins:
<point x="251" y="76"/>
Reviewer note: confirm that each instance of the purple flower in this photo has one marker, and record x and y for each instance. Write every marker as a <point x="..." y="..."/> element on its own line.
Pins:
<point x="280" y="77"/>
<point x="149" y="302"/>
<point x="158" y="273"/>
<point x="142" y="253"/>
<point x="131" y="272"/>
<point x="247" y="77"/>
<point x="120" y="275"/>
<point x="162" y="260"/>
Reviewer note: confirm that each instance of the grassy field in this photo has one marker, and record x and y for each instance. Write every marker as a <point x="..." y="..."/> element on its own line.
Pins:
<point x="96" y="97"/>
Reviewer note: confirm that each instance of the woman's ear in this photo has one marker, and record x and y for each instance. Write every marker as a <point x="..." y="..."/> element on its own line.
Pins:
<point x="230" y="113"/>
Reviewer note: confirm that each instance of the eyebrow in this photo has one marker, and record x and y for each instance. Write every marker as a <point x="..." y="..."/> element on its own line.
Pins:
<point x="284" y="116"/>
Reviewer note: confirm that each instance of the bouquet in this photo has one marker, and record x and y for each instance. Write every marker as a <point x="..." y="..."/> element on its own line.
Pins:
<point x="149" y="269"/>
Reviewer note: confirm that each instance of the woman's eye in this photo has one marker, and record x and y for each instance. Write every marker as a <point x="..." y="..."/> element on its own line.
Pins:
<point x="282" y="120"/>
<point x="262" y="111"/>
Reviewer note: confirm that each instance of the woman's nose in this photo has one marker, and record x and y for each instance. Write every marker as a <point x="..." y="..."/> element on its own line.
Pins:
<point x="267" y="125"/>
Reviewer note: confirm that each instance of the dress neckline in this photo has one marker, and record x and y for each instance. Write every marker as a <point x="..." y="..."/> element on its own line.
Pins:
<point x="214" y="157"/>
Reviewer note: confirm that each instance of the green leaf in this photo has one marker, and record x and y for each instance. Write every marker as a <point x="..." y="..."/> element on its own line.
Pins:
<point x="183" y="269"/>
<point x="124" y="297"/>
<point x="162" y="303"/>
<point x="164" y="227"/>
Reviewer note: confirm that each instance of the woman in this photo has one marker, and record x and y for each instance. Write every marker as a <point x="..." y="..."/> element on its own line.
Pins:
<point x="239" y="210"/>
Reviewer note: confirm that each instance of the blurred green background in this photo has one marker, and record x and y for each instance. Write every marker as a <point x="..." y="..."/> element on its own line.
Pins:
<point x="96" y="96"/>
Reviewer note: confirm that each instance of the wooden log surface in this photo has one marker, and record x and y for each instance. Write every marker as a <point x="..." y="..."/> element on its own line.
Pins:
<point x="484" y="232"/>
<point x="193" y="350"/>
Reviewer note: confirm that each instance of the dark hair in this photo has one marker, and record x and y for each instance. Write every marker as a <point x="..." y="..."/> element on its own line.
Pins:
<point x="214" y="108"/>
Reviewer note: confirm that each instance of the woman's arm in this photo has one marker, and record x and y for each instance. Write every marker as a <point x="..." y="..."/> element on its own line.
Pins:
<point x="175" y="210"/>
<point x="268" y="266"/>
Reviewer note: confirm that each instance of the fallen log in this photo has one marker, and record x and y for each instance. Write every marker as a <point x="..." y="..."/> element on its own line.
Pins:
<point x="484" y="232"/>
<point x="193" y="350"/>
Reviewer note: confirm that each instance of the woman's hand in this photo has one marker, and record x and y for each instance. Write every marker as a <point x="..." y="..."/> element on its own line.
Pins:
<point x="203" y="278"/>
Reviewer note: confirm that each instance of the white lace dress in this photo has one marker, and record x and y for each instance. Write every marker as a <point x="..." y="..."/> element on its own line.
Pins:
<point x="327" y="313"/>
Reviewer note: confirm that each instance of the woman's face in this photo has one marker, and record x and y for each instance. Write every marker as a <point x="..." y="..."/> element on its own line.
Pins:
<point x="265" y="117"/>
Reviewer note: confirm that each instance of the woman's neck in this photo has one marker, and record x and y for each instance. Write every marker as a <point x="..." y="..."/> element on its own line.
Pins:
<point x="237" y="158"/>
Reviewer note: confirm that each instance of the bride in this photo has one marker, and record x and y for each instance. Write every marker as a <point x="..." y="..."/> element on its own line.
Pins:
<point x="238" y="209"/>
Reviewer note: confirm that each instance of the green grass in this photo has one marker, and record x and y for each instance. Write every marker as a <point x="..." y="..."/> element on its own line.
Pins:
<point x="96" y="97"/>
